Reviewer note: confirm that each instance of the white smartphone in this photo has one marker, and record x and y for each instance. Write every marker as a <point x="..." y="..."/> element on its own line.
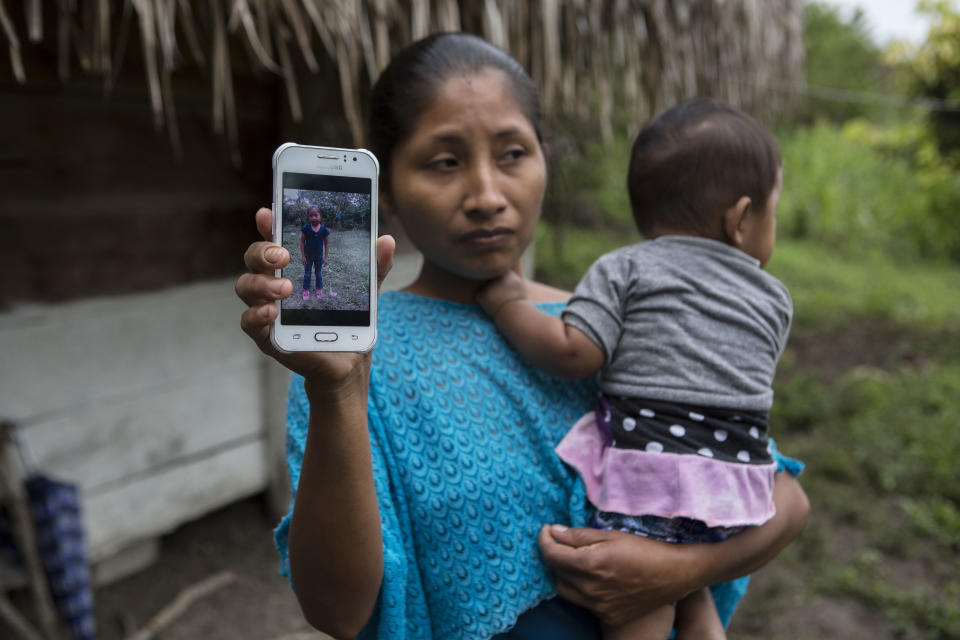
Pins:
<point x="325" y="215"/>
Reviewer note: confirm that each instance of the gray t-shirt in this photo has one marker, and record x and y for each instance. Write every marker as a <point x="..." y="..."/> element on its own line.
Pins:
<point x="684" y="319"/>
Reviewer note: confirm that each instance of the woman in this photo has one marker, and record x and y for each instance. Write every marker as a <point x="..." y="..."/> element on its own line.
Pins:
<point x="429" y="503"/>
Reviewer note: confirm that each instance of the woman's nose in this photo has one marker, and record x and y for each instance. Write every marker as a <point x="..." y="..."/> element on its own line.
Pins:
<point x="484" y="195"/>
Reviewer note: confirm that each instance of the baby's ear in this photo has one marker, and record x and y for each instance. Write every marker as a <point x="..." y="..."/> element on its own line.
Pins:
<point x="733" y="221"/>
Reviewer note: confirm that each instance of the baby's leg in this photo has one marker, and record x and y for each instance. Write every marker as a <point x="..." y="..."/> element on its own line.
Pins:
<point x="655" y="625"/>
<point x="697" y="618"/>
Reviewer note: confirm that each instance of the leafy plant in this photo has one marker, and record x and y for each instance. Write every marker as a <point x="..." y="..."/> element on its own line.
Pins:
<point x="860" y="190"/>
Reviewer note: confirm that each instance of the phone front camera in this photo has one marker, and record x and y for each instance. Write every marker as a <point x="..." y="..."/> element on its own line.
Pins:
<point x="354" y="158"/>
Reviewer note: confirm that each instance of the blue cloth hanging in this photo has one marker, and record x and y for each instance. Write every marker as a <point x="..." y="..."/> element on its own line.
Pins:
<point x="57" y="523"/>
<point x="59" y="529"/>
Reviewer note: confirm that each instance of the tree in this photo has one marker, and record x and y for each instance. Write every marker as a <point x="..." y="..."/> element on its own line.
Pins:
<point x="841" y="54"/>
<point x="933" y="70"/>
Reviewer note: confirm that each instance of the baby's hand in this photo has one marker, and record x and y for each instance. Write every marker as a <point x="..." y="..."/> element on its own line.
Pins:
<point x="497" y="293"/>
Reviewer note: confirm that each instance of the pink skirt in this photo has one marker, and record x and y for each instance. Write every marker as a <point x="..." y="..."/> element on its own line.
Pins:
<point x="669" y="485"/>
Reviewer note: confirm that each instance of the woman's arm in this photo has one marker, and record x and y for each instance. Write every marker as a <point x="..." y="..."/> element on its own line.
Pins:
<point x="336" y="552"/>
<point x="336" y="560"/>
<point x="620" y="576"/>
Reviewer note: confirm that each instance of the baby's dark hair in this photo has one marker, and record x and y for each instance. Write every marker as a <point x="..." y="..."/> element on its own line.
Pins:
<point x="408" y="84"/>
<point x="694" y="161"/>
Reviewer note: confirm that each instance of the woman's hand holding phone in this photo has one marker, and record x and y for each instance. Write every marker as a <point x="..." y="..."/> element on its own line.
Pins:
<point x="312" y="184"/>
<point x="260" y="289"/>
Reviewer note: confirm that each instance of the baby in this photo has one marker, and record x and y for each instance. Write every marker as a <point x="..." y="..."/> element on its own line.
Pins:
<point x="686" y="329"/>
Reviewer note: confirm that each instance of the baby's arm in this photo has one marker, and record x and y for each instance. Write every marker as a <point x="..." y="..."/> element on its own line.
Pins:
<point x="303" y="255"/>
<point x="326" y="248"/>
<point x="544" y="341"/>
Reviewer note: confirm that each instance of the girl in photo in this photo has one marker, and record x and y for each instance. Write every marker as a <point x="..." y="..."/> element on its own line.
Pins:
<point x="314" y="249"/>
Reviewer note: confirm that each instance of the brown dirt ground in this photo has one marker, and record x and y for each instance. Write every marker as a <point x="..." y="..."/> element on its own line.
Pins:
<point x="260" y="606"/>
<point x="257" y="605"/>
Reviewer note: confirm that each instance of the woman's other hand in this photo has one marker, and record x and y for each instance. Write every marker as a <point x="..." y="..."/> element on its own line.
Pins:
<point x="619" y="576"/>
<point x="260" y="289"/>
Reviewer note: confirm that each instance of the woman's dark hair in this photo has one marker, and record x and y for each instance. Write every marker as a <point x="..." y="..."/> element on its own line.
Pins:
<point x="695" y="160"/>
<point x="411" y="80"/>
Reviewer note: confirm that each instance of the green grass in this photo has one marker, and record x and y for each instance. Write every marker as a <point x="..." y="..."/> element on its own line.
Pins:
<point x="834" y="291"/>
<point x="345" y="273"/>
<point x="876" y="419"/>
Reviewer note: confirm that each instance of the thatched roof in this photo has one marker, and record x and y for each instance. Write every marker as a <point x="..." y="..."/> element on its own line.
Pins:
<point x="589" y="57"/>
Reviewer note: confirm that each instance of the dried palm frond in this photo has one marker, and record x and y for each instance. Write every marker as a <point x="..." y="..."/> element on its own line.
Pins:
<point x="590" y="58"/>
<point x="13" y="41"/>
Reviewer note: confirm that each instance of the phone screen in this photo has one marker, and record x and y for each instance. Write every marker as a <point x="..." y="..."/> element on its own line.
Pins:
<point x="326" y="228"/>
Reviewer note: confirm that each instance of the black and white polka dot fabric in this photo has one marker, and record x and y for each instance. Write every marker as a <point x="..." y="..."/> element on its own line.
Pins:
<point x="663" y="427"/>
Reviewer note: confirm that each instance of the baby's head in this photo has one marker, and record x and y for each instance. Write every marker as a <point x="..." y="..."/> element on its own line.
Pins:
<point x="314" y="215"/>
<point x="703" y="168"/>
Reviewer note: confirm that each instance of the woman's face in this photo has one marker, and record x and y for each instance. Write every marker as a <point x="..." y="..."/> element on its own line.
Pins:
<point x="468" y="183"/>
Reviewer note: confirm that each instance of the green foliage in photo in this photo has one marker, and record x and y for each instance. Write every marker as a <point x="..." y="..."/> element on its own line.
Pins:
<point x="354" y="208"/>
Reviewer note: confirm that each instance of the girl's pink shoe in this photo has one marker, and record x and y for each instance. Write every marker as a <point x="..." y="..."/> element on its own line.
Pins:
<point x="306" y="294"/>
<point x="319" y="294"/>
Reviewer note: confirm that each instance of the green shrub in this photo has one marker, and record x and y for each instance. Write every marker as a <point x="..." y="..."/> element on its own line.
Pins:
<point x="859" y="190"/>
<point x="588" y="185"/>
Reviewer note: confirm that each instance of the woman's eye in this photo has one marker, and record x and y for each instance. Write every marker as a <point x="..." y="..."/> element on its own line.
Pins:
<point x="442" y="163"/>
<point x="514" y="154"/>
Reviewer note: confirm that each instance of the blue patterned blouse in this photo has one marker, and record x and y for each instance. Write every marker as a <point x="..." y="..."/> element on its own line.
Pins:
<point x="462" y="434"/>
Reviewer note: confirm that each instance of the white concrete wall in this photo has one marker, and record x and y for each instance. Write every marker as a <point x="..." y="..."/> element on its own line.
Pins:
<point x="151" y="403"/>
<point x="156" y="405"/>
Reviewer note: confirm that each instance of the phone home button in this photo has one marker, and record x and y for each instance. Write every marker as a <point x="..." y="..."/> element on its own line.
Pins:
<point x="325" y="336"/>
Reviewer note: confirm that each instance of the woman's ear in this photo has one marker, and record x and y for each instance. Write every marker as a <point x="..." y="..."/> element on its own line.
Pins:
<point x="734" y="219"/>
<point x="547" y="150"/>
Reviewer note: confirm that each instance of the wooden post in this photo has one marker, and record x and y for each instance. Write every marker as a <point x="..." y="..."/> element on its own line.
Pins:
<point x="16" y="621"/>
<point x="21" y="523"/>
<point x="276" y="382"/>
